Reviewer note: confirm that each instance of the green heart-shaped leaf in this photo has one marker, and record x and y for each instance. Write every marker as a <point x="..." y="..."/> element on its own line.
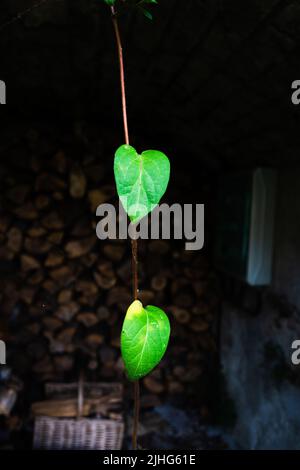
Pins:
<point x="141" y="180"/>
<point x="144" y="339"/>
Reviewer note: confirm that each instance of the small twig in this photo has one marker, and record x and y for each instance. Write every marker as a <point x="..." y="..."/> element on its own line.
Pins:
<point x="23" y="13"/>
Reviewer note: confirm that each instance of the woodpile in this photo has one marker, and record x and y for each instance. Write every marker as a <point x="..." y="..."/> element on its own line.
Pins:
<point x="102" y="399"/>
<point x="64" y="293"/>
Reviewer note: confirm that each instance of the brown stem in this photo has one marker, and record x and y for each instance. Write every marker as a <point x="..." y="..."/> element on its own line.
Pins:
<point x="134" y="247"/>
<point x="122" y="74"/>
<point x="134" y="250"/>
<point x="134" y="244"/>
<point x="136" y="414"/>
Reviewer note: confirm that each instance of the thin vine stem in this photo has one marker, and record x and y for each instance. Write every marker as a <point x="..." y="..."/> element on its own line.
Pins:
<point x="122" y="74"/>
<point x="136" y="414"/>
<point x="134" y="251"/>
<point x="134" y="244"/>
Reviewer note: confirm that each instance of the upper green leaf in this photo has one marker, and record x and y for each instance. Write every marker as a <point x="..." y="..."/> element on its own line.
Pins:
<point x="110" y="2"/>
<point x="144" y="339"/>
<point x="141" y="180"/>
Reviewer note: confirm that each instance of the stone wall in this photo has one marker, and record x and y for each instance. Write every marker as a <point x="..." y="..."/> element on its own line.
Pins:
<point x="256" y="362"/>
<point x="287" y="245"/>
<point x="258" y="328"/>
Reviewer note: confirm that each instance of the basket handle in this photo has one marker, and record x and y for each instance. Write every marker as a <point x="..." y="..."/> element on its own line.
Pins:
<point x="80" y="401"/>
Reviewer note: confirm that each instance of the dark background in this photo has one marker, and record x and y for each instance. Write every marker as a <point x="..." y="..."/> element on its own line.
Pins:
<point x="209" y="83"/>
<point x="207" y="79"/>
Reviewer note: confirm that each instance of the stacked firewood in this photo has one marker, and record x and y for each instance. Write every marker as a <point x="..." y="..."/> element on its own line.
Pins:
<point x="64" y="293"/>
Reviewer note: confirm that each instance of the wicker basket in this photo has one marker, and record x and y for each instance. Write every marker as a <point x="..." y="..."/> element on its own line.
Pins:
<point x="78" y="433"/>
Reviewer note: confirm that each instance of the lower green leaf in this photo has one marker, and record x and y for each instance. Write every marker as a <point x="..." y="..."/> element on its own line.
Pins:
<point x="144" y="339"/>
